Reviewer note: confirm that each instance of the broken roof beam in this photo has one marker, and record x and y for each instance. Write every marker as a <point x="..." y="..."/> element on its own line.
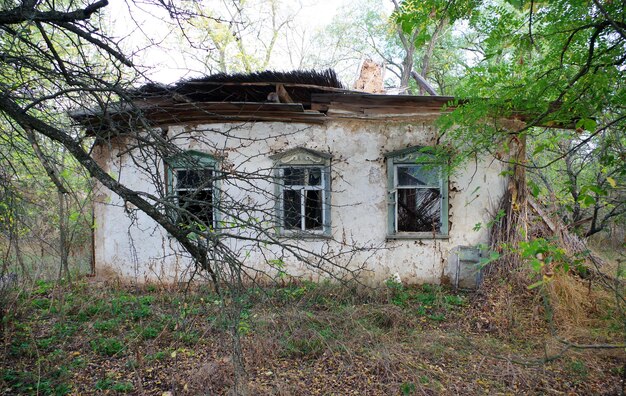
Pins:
<point x="368" y="103"/>
<point x="421" y="81"/>
<point x="283" y="95"/>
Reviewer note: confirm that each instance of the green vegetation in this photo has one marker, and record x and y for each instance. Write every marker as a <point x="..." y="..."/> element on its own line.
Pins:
<point x="107" y="346"/>
<point x="110" y="384"/>
<point x="24" y="382"/>
<point x="429" y="301"/>
<point x="394" y="340"/>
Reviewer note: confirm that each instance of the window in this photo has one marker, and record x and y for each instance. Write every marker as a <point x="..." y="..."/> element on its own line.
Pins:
<point x="303" y="198"/>
<point x="418" y="195"/>
<point x="191" y="184"/>
<point x="303" y="192"/>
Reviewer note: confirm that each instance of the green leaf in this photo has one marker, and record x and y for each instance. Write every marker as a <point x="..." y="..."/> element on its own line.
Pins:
<point x="539" y="149"/>
<point x="612" y="182"/>
<point x="586" y="199"/>
<point x="65" y="174"/>
<point x="534" y="188"/>
<point x="536" y="265"/>
<point x="597" y="189"/>
<point x="74" y="216"/>
<point x="587" y="124"/>
<point x="484" y="261"/>
<point x="589" y="200"/>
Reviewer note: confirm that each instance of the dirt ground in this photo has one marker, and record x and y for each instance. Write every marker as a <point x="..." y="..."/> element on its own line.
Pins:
<point x="300" y="339"/>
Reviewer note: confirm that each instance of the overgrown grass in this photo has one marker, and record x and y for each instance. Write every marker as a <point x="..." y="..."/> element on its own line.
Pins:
<point x="297" y="339"/>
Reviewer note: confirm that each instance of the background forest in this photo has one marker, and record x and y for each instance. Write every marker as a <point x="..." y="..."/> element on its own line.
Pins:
<point x="558" y="65"/>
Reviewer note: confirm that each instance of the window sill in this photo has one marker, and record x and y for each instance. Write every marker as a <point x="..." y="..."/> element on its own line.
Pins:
<point x="416" y="235"/>
<point x="303" y="235"/>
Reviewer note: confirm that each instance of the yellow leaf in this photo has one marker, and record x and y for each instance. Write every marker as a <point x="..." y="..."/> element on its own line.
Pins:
<point x="174" y="354"/>
<point x="612" y="182"/>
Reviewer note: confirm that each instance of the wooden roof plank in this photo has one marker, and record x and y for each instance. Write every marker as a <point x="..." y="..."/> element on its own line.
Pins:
<point x="358" y="98"/>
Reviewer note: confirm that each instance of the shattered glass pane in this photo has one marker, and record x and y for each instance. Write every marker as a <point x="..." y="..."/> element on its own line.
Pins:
<point x="194" y="189"/>
<point x="419" y="210"/>
<point x="197" y="207"/>
<point x="294" y="176"/>
<point x="292" y="217"/>
<point x="418" y="175"/>
<point x="194" y="178"/>
<point x="315" y="176"/>
<point x="313" y="210"/>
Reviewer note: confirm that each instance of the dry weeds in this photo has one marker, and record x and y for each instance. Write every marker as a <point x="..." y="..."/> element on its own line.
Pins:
<point x="301" y="339"/>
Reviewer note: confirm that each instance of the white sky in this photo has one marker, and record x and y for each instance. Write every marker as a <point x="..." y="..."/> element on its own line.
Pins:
<point x="144" y="30"/>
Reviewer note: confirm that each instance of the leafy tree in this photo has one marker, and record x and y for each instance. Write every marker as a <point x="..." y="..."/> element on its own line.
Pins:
<point x="408" y="38"/>
<point x="556" y="64"/>
<point x="584" y="186"/>
<point x="37" y="229"/>
<point x="241" y="35"/>
<point x="423" y="24"/>
<point x="551" y="64"/>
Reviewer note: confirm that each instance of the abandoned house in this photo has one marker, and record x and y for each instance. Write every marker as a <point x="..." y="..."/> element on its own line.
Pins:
<point x="293" y="171"/>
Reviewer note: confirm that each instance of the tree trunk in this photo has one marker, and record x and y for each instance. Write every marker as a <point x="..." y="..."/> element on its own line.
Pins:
<point x="19" y="257"/>
<point x="407" y="66"/>
<point x="54" y="176"/>
<point x="63" y="228"/>
<point x="409" y="47"/>
<point x="512" y="227"/>
<point x="428" y="54"/>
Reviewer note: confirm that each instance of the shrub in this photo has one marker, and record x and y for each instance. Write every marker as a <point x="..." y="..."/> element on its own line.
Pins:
<point x="41" y="303"/>
<point x="150" y="332"/>
<point x="107" y="346"/>
<point x="106" y="325"/>
<point x="109" y="384"/>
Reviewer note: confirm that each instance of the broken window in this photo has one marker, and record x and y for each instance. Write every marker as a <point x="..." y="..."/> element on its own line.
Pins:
<point x="191" y="184"/>
<point x="418" y="195"/>
<point x="303" y="192"/>
<point x="194" y="196"/>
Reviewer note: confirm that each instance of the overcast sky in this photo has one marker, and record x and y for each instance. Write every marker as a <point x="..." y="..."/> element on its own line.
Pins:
<point x="147" y="32"/>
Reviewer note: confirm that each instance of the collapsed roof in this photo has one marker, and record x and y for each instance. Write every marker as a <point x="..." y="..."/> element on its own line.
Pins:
<point x="296" y="96"/>
<point x="254" y="87"/>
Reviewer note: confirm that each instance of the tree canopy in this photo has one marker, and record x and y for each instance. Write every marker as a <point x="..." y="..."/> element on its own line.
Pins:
<point x="560" y="67"/>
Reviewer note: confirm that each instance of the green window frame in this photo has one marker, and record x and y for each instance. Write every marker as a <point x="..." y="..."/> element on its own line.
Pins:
<point x="192" y="181"/>
<point x="417" y="195"/>
<point x="303" y="193"/>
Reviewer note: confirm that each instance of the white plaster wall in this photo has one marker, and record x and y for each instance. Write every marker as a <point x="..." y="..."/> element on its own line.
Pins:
<point x="138" y="249"/>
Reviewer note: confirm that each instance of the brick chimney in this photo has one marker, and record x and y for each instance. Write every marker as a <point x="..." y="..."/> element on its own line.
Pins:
<point x="371" y="78"/>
